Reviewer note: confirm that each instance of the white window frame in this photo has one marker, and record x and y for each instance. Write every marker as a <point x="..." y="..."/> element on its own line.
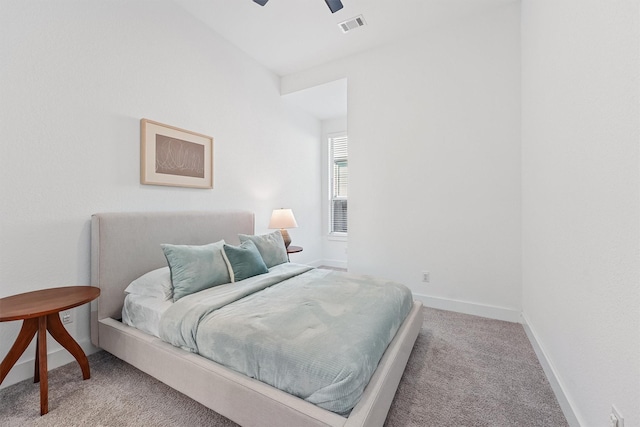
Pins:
<point x="334" y="235"/>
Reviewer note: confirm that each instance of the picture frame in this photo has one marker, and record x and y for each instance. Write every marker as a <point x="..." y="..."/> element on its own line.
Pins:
<point x="174" y="157"/>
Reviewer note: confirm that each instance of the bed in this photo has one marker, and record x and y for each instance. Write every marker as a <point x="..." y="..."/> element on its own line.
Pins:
<point x="125" y="246"/>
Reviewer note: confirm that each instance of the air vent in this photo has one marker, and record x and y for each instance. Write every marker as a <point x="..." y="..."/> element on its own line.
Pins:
<point x="352" y="24"/>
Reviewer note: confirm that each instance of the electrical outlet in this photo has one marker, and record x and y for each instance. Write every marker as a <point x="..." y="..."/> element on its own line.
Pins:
<point x="425" y="276"/>
<point x="66" y="317"/>
<point x="615" y="419"/>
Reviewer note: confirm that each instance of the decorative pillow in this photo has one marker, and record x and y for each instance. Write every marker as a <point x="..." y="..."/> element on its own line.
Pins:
<point x="270" y="246"/>
<point x="194" y="268"/>
<point x="245" y="261"/>
<point x="156" y="283"/>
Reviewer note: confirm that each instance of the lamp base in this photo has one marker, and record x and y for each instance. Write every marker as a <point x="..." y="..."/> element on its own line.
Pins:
<point x="285" y="237"/>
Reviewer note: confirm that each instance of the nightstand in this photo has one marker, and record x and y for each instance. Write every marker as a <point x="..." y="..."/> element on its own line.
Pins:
<point x="293" y="250"/>
<point x="39" y="311"/>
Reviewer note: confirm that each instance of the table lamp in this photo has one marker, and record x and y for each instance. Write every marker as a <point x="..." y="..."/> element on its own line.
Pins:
<point x="283" y="219"/>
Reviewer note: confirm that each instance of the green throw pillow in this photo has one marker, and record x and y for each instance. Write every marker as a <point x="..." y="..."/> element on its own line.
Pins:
<point x="244" y="260"/>
<point x="270" y="246"/>
<point x="195" y="268"/>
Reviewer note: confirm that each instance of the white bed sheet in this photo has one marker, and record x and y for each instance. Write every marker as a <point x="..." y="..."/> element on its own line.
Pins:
<point x="143" y="312"/>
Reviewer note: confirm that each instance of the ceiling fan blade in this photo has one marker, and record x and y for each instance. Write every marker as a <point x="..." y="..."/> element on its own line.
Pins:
<point x="334" y="5"/>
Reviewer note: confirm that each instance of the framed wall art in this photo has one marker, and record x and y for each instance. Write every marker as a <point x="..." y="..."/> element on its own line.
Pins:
<point x="175" y="157"/>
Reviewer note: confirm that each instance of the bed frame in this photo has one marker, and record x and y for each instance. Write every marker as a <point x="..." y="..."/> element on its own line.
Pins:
<point x="126" y="245"/>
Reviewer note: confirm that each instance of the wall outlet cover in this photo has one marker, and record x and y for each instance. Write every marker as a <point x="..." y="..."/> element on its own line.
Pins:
<point x="66" y="317"/>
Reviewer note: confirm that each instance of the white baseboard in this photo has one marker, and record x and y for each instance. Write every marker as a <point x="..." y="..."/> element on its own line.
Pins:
<point x="24" y="369"/>
<point x="550" y="372"/>
<point x="315" y="263"/>
<point x="333" y="263"/>
<point x="491" y="312"/>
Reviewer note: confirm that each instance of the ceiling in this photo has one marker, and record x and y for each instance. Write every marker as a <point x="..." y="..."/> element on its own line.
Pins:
<point x="288" y="36"/>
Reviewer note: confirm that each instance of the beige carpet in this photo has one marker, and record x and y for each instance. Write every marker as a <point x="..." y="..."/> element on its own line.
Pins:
<point x="464" y="371"/>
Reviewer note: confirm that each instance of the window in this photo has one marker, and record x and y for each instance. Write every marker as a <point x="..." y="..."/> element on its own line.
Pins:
<point x="339" y="176"/>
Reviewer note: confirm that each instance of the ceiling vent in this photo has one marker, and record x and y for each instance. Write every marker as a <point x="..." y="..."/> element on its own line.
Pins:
<point x="352" y="24"/>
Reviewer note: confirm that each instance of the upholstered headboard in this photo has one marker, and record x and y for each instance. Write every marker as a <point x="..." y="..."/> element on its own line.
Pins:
<point x="124" y="246"/>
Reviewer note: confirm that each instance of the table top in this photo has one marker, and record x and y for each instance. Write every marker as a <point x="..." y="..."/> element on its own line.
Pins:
<point x="294" y="249"/>
<point x="45" y="301"/>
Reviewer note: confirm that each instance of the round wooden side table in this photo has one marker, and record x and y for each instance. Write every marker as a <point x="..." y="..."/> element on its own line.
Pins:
<point x="293" y="250"/>
<point x="39" y="311"/>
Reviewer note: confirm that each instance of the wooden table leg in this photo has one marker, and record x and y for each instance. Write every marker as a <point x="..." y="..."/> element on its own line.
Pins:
<point x="42" y="365"/>
<point x="29" y="329"/>
<point x="36" y="365"/>
<point x="60" y="334"/>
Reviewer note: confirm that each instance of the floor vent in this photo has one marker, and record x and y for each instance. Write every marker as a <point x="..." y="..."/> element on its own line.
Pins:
<point x="351" y="24"/>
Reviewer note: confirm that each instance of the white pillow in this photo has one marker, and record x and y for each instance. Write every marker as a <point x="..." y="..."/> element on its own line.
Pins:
<point x="156" y="283"/>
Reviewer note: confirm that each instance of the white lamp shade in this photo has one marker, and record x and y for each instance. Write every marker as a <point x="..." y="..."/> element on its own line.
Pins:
<point x="283" y="218"/>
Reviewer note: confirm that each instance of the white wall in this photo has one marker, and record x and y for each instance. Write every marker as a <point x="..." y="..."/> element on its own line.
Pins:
<point x="434" y="146"/>
<point x="581" y="208"/>
<point x="76" y="77"/>
<point x="334" y="249"/>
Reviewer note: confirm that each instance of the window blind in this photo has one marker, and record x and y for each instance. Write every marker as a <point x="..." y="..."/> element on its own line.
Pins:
<point x="340" y="183"/>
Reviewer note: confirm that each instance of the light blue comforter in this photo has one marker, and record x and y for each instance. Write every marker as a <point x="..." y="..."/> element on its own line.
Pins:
<point x="316" y="334"/>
